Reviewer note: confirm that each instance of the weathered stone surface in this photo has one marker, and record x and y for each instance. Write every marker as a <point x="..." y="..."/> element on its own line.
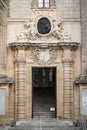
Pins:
<point x="22" y="47"/>
<point x="4" y="79"/>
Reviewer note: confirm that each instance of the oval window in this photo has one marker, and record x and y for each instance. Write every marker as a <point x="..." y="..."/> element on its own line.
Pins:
<point x="44" y="26"/>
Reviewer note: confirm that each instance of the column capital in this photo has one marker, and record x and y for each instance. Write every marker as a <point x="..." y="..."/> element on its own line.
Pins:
<point x="20" y="57"/>
<point x="68" y="45"/>
<point x="67" y="57"/>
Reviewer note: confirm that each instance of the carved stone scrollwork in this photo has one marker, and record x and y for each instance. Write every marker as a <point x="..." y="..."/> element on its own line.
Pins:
<point x="57" y="30"/>
<point x="20" y="56"/>
<point x="67" y="57"/>
<point x="30" y="32"/>
<point x="44" y="56"/>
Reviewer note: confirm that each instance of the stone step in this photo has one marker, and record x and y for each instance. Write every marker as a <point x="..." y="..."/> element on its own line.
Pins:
<point x="43" y="124"/>
<point x="40" y="128"/>
<point x="43" y="100"/>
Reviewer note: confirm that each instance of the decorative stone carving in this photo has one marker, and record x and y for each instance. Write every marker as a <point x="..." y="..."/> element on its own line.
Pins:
<point x="66" y="37"/>
<point x="21" y="37"/>
<point x="30" y="32"/>
<point x="57" y="29"/>
<point x="45" y="56"/>
<point x="20" y="57"/>
<point x="44" y="13"/>
<point x="67" y="56"/>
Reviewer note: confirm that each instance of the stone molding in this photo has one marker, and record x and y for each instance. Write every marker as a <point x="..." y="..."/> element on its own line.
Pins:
<point x="45" y="44"/>
<point x="82" y="79"/>
<point x="4" y="79"/>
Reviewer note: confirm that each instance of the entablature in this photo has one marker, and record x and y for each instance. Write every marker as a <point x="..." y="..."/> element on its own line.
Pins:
<point x="59" y="45"/>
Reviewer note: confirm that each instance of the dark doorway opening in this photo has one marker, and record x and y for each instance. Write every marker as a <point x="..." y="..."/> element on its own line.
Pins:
<point x="44" y="92"/>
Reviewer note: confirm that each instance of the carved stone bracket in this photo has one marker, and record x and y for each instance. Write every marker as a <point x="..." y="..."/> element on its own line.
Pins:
<point x="68" y="45"/>
<point x="67" y="57"/>
<point x="67" y="51"/>
<point x="20" y="57"/>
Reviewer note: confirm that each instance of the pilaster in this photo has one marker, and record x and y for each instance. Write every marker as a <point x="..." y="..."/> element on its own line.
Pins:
<point x="20" y="84"/>
<point x="68" y="84"/>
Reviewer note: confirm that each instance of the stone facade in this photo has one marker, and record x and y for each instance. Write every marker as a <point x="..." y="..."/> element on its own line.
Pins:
<point x="23" y="47"/>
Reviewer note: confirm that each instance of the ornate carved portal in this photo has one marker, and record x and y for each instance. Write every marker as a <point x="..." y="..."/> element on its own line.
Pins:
<point x="28" y="55"/>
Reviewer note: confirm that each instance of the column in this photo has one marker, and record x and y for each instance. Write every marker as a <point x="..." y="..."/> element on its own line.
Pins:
<point x="20" y="85"/>
<point x="68" y="84"/>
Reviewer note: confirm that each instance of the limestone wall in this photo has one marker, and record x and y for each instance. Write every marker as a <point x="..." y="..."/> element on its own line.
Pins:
<point x="68" y="9"/>
<point x="3" y="37"/>
<point x="69" y="13"/>
<point x="84" y="35"/>
<point x="20" y="9"/>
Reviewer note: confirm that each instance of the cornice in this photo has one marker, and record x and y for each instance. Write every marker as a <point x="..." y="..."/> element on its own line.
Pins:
<point x="45" y="44"/>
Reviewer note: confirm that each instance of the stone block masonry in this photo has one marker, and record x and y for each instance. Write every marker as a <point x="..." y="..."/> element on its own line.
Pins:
<point x="84" y="35"/>
<point x="68" y="9"/>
